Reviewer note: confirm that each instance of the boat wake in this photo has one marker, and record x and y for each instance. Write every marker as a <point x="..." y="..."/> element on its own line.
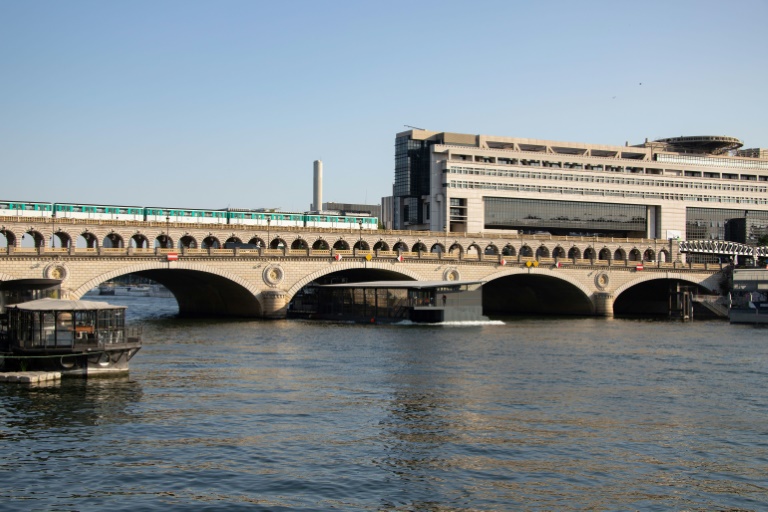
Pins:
<point x="466" y="323"/>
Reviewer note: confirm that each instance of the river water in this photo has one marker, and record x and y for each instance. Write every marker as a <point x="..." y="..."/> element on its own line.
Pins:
<point x="529" y="414"/>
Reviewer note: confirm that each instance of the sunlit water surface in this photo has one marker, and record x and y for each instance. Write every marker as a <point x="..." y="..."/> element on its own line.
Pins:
<point x="529" y="414"/>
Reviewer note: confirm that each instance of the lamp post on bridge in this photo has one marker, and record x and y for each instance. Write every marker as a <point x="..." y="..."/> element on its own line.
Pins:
<point x="269" y="221"/>
<point x="168" y="232"/>
<point x="360" y="241"/>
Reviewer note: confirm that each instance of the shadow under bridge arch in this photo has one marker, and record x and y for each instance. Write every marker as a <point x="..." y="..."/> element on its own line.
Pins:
<point x="203" y="294"/>
<point x="534" y="294"/>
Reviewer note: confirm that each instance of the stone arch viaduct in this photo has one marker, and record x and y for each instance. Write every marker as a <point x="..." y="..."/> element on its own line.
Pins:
<point x="260" y="279"/>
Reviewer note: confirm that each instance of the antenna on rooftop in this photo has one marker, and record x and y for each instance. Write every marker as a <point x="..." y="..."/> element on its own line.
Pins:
<point x="414" y="127"/>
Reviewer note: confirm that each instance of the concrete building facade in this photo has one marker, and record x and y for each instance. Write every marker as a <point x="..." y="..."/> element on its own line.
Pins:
<point x="700" y="187"/>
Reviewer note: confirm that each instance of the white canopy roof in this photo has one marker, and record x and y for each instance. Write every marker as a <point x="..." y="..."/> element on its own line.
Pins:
<point x="64" y="305"/>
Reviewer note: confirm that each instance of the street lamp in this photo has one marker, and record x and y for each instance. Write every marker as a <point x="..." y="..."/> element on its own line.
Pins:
<point x="269" y="221"/>
<point x="167" y="231"/>
<point x="360" y="242"/>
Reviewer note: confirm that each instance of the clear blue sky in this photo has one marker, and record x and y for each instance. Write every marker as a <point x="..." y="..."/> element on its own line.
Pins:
<point x="228" y="103"/>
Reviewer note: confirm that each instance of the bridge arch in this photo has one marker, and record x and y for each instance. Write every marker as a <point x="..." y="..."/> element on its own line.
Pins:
<point x="361" y="245"/>
<point x="542" y="251"/>
<point x="10" y="237"/>
<point x="381" y="245"/>
<point x="200" y="290"/>
<point x="299" y="245"/>
<point x="491" y="250"/>
<point x="515" y="290"/>
<point x="526" y="251"/>
<point x="400" y="246"/>
<point x="559" y="252"/>
<point x="341" y="266"/>
<point x="649" y="255"/>
<point x="634" y="254"/>
<point x="619" y="254"/>
<point x="163" y="241"/>
<point x="437" y="248"/>
<point x="188" y="241"/>
<point x="604" y="254"/>
<point x="211" y="242"/>
<point x="320" y="245"/>
<point x="574" y="253"/>
<point x="508" y="250"/>
<point x="456" y="247"/>
<point x="139" y="241"/>
<point x="257" y="241"/>
<point x="113" y="240"/>
<point x="589" y="254"/>
<point x="341" y="245"/>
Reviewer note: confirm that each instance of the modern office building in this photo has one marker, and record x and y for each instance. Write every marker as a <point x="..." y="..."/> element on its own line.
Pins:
<point x="701" y="187"/>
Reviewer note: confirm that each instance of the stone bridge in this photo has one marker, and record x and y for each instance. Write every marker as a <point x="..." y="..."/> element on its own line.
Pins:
<point x="542" y="273"/>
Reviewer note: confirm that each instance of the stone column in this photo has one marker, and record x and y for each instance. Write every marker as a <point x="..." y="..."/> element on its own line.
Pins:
<point x="603" y="304"/>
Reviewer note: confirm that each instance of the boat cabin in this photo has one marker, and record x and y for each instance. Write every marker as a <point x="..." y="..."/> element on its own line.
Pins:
<point x="393" y="301"/>
<point x="76" y="335"/>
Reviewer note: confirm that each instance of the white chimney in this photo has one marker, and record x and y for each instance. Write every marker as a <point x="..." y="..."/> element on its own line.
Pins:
<point x="317" y="203"/>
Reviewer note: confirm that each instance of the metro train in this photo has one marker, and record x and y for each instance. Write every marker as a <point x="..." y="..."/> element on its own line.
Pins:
<point x="232" y="216"/>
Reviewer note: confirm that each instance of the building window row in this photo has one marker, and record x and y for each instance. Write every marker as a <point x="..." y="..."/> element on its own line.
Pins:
<point x="642" y="182"/>
<point x="514" y="187"/>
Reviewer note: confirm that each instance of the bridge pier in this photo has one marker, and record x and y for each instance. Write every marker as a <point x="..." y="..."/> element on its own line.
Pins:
<point x="603" y="304"/>
<point x="274" y="304"/>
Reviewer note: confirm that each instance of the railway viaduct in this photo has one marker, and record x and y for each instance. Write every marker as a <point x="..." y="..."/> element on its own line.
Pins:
<point x="535" y="273"/>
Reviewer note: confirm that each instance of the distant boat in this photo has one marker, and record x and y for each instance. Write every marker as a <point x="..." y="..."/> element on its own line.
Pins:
<point x="123" y="290"/>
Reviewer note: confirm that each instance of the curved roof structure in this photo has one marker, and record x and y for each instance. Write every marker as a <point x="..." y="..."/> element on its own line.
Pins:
<point x="64" y="305"/>
<point x="710" y="144"/>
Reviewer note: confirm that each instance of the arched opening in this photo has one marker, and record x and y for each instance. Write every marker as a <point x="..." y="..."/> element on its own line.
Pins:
<point x="32" y="238"/>
<point x="473" y="250"/>
<point x="419" y="247"/>
<point x="654" y="297"/>
<point x="664" y="256"/>
<point x="508" y="250"/>
<point x="619" y="255"/>
<point x="211" y="242"/>
<point x="113" y="241"/>
<point x="542" y="252"/>
<point x="234" y="240"/>
<point x="526" y="251"/>
<point x="320" y="245"/>
<point x="277" y="243"/>
<point x="634" y="255"/>
<point x="258" y="242"/>
<point x="456" y="249"/>
<point x="574" y="253"/>
<point x="188" y="242"/>
<point x="7" y="238"/>
<point x="649" y="255"/>
<point x="202" y="294"/>
<point x="361" y="245"/>
<point x="341" y="245"/>
<point x="527" y="294"/>
<point x="61" y="239"/>
<point x="381" y="245"/>
<point x="139" y="241"/>
<point x="589" y="254"/>
<point x="437" y="249"/>
<point x="491" y="250"/>
<point x="87" y="240"/>
<point x="299" y="245"/>
<point x="164" y="242"/>
<point x="400" y="247"/>
<point x="559" y="252"/>
<point x="605" y="254"/>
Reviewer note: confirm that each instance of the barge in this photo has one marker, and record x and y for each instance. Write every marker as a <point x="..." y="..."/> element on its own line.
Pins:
<point x="378" y="302"/>
<point x="74" y="337"/>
